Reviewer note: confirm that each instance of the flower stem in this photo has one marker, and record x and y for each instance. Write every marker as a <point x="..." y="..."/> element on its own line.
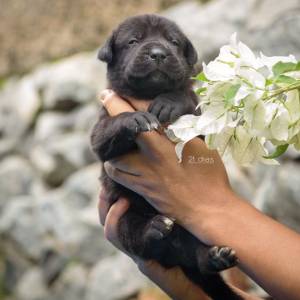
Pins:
<point x="290" y="87"/>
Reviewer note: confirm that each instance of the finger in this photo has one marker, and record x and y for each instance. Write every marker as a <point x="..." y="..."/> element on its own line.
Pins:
<point x="131" y="164"/>
<point x="103" y="206"/>
<point x="116" y="211"/>
<point x="154" y="144"/>
<point x="113" y="103"/>
<point x="122" y="177"/>
<point x="140" y="105"/>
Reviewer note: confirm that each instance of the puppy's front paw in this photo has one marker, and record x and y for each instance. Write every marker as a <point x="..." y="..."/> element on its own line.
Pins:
<point x="166" y="110"/>
<point x="140" y="121"/>
<point x="222" y="258"/>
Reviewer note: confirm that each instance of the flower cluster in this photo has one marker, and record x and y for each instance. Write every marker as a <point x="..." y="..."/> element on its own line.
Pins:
<point x="247" y="103"/>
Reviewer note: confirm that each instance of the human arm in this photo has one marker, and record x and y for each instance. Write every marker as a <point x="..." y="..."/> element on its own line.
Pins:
<point x="172" y="281"/>
<point x="200" y="198"/>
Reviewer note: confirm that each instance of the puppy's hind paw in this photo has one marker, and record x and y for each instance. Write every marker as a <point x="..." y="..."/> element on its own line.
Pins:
<point x="158" y="228"/>
<point x="222" y="258"/>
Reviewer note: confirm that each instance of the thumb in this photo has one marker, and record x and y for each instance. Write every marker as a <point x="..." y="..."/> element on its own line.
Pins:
<point x="113" y="103"/>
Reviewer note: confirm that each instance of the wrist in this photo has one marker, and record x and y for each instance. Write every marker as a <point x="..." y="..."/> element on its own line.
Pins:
<point x="215" y="216"/>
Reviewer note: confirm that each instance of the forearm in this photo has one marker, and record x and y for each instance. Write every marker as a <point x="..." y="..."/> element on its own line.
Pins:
<point x="268" y="251"/>
<point x="174" y="283"/>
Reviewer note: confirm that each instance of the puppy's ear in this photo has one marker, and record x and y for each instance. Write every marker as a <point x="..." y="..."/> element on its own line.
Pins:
<point x="190" y="53"/>
<point x="105" y="53"/>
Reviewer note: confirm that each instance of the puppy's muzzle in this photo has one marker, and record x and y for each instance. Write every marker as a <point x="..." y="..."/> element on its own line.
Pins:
<point x="158" y="54"/>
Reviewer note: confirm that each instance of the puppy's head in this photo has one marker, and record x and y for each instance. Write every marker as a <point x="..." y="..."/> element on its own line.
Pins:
<point x="148" y="55"/>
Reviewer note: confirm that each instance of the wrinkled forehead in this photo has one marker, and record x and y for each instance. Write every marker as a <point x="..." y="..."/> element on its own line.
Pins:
<point x="144" y="27"/>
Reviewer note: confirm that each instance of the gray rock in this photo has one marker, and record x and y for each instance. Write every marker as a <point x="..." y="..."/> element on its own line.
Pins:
<point x="67" y="95"/>
<point x="7" y="146"/>
<point x="61" y="229"/>
<point x="71" y="284"/>
<point x="14" y="265"/>
<point x="209" y="26"/>
<point x="278" y="195"/>
<point x="70" y="82"/>
<point x="61" y="155"/>
<point x="85" y="184"/>
<point x="274" y="29"/>
<point x="55" y="123"/>
<point x="240" y="180"/>
<point x="87" y="244"/>
<point x="19" y="106"/>
<point x="59" y="86"/>
<point x="85" y="117"/>
<point x="52" y="264"/>
<point x="290" y="154"/>
<point x="262" y="25"/>
<point x="31" y="286"/>
<point x="19" y="220"/>
<point x="114" y="278"/>
<point x="17" y="178"/>
<point x="52" y="123"/>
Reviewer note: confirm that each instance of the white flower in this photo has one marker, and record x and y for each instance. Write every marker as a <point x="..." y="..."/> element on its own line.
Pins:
<point x="212" y="120"/>
<point x="244" y="147"/>
<point x="255" y="114"/>
<point x="220" y="141"/>
<point x="297" y="142"/>
<point x="246" y="102"/>
<point x="292" y="105"/>
<point x="270" y="61"/>
<point x="184" y="128"/>
<point x="218" y="71"/>
<point x="280" y="125"/>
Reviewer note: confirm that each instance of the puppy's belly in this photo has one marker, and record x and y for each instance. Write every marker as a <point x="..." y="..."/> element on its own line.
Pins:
<point x="115" y="190"/>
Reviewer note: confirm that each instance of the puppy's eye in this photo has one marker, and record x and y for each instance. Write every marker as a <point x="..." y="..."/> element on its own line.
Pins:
<point x="175" y="42"/>
<point x="133" y="41"/>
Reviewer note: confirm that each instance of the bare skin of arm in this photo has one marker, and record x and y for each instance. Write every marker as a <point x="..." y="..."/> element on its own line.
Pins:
<point x="200" y="198"/>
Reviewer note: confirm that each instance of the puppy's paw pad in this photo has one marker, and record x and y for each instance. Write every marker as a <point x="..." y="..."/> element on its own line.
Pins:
<point x="222" y="258"/>
<point x="159" y="227"/>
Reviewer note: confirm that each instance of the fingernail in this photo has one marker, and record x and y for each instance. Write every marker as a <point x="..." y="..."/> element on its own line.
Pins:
<point x="103" y="94"/>
<point x="123" y="201"/>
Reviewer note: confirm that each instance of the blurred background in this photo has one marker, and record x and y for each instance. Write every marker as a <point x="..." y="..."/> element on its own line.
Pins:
<point x="51" y="244"/>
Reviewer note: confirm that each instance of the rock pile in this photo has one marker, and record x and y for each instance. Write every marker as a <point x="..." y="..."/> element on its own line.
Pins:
<point x="52" y="246"/>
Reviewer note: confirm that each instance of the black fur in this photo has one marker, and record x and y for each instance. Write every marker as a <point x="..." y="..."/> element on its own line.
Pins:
<point x="148" y="57"/>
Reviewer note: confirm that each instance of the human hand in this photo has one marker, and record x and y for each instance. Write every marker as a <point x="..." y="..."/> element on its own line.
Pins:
<point x="196" y="187"/>
<point x="172" y="281"/>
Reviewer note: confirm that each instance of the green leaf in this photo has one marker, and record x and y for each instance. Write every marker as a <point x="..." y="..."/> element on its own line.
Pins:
<point x="282" y="67"/>
<point x="201" y="77"/>
<point x="230" y="94"/>
<point x="200" y="90"/>
<point x="279" y="151"/>
<point x="285" y="79"/>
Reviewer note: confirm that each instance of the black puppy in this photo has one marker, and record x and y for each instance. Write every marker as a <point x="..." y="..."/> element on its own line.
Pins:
<point x="148" y="57"/>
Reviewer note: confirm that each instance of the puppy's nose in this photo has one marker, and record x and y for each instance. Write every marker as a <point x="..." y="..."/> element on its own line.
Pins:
<point x="158" y="54"/>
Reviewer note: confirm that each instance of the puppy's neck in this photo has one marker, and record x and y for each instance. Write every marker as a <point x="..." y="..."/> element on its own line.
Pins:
<point x="141" y="94"/>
